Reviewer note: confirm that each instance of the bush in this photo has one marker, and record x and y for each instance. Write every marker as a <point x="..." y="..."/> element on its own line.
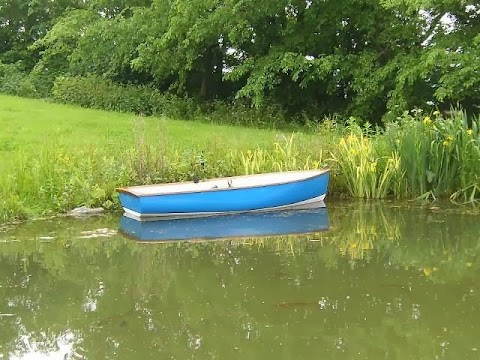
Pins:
<point x="243" y="114"/>
<point x="96" y="92"/>
<point x="14" y="81"/>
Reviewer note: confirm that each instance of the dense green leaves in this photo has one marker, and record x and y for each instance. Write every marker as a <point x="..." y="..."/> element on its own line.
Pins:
<point x="446" y="67"/>
<point x="22" y="22"/>
<point x="365" y="58"/>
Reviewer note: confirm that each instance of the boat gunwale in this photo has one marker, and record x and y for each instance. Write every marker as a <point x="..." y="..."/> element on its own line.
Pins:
<point x="318" y="172"/>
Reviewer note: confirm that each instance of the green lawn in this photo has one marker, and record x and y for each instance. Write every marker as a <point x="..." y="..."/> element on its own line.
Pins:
<point x="26" y="125"/>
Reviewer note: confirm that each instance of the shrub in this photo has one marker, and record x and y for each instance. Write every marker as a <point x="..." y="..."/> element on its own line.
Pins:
<point x="14" y="81"/>
<point x="239" y="113"/>
<point x="96" y="92"/>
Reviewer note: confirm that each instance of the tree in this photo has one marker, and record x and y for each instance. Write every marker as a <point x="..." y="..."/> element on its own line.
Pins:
<point x="22" y="22"/>
<point x="100" y="39"/>
<point x="446" y="69"/>
<point x="355" y="58"/>
<point x="185" y="51"/>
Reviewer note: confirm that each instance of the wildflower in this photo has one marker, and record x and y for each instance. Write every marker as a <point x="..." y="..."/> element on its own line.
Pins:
<point x="448" y="140"/>
<point x="470" y="132"/>
<point x="427" y="121"/>
<point x="436" y="113"/>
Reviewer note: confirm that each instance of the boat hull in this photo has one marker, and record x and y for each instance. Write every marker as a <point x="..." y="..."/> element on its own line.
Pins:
<point x="308" y="190"/>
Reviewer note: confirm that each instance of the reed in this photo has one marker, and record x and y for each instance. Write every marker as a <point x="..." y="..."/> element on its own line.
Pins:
<point x="367" y="171"/>
<point x="424" y="157"/>
<point x="440" y="157"/>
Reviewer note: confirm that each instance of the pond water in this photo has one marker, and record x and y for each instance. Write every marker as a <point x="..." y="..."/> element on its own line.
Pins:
<point x="381" y="281"/>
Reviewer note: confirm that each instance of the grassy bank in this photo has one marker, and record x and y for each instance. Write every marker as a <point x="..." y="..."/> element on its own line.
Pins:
<point x="56" y="157"/>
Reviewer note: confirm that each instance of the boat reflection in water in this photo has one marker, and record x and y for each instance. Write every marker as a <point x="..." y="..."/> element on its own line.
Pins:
<point x="228" y="226"/>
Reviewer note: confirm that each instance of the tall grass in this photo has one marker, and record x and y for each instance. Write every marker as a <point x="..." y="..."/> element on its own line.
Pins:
<point x="286" y="154"/>
<point x="367" y="172"/>
<point x="440" y="157"/>
<point x="418" y="156"/>
<point x="59" y="179"/>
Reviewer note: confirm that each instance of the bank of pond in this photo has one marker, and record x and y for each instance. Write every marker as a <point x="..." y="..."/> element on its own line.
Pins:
<point x="418" y="157"/>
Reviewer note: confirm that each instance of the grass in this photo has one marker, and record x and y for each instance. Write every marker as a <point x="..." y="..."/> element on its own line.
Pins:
<point x="26" y="124"/>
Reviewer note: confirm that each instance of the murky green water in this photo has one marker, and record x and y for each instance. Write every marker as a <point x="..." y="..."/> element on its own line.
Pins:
<point x="385" y="282"/>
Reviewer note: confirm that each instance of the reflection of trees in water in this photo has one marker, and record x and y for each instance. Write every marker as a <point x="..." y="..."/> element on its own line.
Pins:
<point x="362" y="287"/>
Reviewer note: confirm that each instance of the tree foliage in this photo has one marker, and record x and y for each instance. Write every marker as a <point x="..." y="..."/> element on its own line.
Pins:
<point x="355" y="57"/>
<point x="446" y="68"/>
<point x="22" y="22"/>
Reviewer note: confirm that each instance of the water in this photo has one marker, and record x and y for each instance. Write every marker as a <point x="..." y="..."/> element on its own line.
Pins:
<point x="385" y="281"/>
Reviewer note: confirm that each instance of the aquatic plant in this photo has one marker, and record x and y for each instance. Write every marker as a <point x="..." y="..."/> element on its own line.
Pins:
<point x="424" y="157"/>
<point x="286" y="154"/>
<point x="367" y="171"/>
<point x="439" y="157"/>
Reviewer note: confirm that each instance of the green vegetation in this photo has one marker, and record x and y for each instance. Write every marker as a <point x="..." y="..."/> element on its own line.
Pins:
<point x="278" y="66"/>
<point x="56" y="157"/>
<point x="416" y="156"/>
<point x="370" y="59"/>
<point x="96" y="92"/>
<point x="29" y="123"/>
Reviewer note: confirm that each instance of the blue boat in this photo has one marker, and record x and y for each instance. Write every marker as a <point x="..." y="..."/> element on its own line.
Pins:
<point x="245" y="225"/>
<point x="249" y="193"/>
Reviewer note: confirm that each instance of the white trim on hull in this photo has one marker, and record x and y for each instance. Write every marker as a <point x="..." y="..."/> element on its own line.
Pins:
<point x="313" y="203"/>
